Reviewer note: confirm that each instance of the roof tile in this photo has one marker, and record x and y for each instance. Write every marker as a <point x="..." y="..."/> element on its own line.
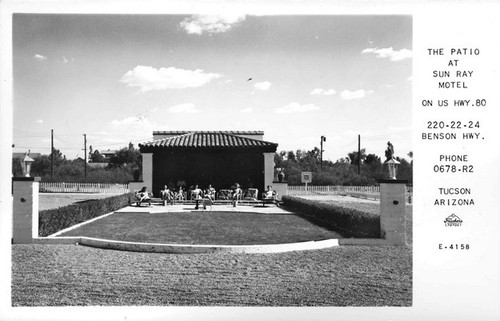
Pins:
<point x="207" y="140"/>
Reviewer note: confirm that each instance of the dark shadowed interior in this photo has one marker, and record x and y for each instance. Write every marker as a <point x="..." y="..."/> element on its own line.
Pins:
<point x="221" y="168"/>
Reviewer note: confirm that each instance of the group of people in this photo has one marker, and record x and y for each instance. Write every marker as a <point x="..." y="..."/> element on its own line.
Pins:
<point x="204" y="196"/>
<point x="170" y="196"/>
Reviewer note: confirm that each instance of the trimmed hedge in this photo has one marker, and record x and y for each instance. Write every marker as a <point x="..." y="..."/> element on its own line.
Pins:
<point x="54" y="220"/>
<point x="347" y="221"/>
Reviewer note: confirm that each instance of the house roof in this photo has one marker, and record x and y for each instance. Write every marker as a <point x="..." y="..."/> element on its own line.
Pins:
<point x="208" y="140"/>
<point x="22" y="155"/>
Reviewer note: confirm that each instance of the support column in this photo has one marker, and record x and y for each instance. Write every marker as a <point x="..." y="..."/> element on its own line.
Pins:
<point x="268" y="169"/>
<point x="393" y="211"/>
<point x="25" y="209"/>
<point x="147" y="171"/>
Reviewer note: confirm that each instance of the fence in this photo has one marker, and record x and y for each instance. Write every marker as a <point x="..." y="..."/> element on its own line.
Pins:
<point x="372" y="192"/>
<point x="101" y="188"/>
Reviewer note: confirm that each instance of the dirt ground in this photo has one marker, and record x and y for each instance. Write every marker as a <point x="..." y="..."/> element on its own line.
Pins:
<point x="73" y="275"/>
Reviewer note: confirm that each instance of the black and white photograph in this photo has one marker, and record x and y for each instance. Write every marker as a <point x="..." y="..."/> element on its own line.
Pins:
<point x="207" y="162"/>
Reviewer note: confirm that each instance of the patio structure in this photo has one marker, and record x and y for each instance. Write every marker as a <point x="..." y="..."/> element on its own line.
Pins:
<point x="220" y="158"/>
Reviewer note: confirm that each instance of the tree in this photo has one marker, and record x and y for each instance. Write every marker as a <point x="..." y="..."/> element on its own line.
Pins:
<point x="97" y="157"/>
<point x="279" y="159"/>
<point x="126" y="157"/>
<point x="17" y="168"/>
<point x="353" y="156"/>
<point x="343" y="160"/>
<point x="405" y="170"/>
<point x="41" y="166"/>
<point x="59" y="158"/>
<point x="372" y="159"/>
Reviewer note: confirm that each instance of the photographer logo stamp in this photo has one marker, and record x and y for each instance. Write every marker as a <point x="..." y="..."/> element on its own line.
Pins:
<point x="453" y="220"/>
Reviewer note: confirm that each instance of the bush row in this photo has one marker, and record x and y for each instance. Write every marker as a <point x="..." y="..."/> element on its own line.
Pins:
<point x="54" y="220"/>
<point x="347" y="221"/>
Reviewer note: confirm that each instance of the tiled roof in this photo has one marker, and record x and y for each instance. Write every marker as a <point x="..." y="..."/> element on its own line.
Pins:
<point x="208" y="140"/>
<point x="182" y="132"/>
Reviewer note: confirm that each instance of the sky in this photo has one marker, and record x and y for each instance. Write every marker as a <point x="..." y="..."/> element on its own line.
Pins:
<point x="118" y="78"/>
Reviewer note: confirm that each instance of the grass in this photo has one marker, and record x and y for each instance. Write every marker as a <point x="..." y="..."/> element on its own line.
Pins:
<point x="204" y="228"/>
<point x="49" y="201"/>
<point x="70" y="275"/>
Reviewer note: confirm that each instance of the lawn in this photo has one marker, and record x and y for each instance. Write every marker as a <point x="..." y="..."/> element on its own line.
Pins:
<point x="204" y="228"/>
<point x="49" y="201"/>
<point x="68" y="275"/>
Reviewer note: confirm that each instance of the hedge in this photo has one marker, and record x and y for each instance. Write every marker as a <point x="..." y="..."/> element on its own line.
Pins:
<point x="54" y="220"/>
<point x="347" y="221"/>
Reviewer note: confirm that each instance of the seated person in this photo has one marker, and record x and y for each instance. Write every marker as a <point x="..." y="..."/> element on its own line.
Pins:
<point x="180" y="195"/>
<point x="270" y="193"/>
<point x="270" y="196"/>
<point x="210" y="192"/>
<point x="143" y="196"/>
<point x="167" y="195"/>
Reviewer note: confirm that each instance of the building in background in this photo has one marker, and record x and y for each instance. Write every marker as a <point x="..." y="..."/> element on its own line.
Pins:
<point x="220" y="158"/>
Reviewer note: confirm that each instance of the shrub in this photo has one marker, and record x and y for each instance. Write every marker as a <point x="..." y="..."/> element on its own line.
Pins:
<point x="347" y="221"/>
<point x="53" y="220"/>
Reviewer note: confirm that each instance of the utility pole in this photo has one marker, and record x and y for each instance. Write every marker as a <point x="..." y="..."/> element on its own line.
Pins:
<point x="51" y="154"/>
<point x="359" y="152"/>
<point x="85" y="153"/>
<point x="323" y="139"/>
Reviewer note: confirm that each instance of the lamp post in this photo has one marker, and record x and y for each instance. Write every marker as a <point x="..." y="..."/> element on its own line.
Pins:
<point x="392" y="165"/>
<point x="26" y="164"/>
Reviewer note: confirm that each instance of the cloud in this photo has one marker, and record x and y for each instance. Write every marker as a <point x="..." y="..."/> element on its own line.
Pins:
<point x="39" y="121"/>
<point x="393" y="55"/>
<point x="264" y="85"/>
<point x="356" y="94"/>
<point x="296" y="108"/>
<point x="133" y="121"/>
<point x="148" y="78"/>
<point x="199" y="24"/>
<point x="184" y="108"/>
<point x="247" y="110"/>
<point x="324" y="92"/>
<point x="40" y="57"/>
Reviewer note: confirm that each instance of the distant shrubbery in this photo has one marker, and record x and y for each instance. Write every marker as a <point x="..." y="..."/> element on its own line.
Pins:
<point x="123" y="167"/>
<point x="54" y="220"/>
<point x="344" y="171"/>
<point x="347" y="221"/>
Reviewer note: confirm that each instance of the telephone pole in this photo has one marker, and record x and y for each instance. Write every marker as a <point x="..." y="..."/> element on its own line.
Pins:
<point x="51" y="154"/>
<point x="85" y="153"/>
<point x="323" y="139"/>
<point x="359" y="152"/>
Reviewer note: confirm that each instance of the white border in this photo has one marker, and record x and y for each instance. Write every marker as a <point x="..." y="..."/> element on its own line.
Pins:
<point x="447" y="286"/>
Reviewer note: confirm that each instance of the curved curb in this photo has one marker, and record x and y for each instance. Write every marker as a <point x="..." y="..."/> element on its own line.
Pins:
<point x="190" y="248"/>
